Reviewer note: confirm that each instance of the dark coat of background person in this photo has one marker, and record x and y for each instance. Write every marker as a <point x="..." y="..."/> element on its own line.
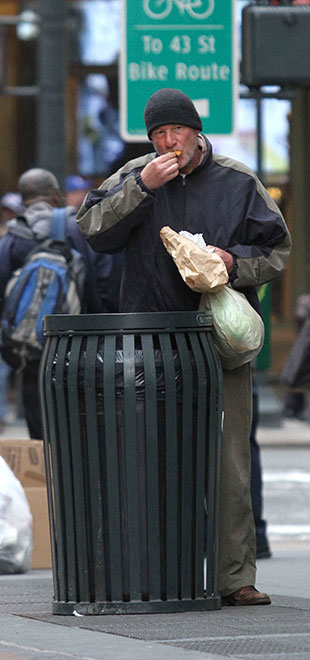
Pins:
<point x="103" y="275"/>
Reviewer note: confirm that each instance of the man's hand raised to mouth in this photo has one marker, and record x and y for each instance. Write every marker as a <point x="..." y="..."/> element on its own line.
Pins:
<point x="160" y="170"/>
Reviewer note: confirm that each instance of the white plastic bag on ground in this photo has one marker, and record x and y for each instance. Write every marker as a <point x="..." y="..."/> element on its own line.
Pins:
<point x="15" y="524"/>
<point x="238" y="329"/>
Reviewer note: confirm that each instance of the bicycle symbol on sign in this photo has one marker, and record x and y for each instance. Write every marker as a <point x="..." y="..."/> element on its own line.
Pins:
<point x="195" y="8"/>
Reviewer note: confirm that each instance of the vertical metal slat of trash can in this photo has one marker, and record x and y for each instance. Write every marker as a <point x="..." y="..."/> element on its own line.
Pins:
<point x="65" y="467"/>
<point x="201" y="435"/>
<point x="171" y="450"/>
<point x="187" y="485"/>
<point x="95" y="478"/>
<point x="142" y="478"/>
<point x="48" y="406"/>
<point x="78" y="440"/>
<point x="132" y="472"/>
<point x="213" y="456"/>
<point x="112" y="504"/>
<point x="214" y="449"/>
<point x="152" y="467"/>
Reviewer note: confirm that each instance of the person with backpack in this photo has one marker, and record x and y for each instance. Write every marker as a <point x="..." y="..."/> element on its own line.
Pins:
<point x="10" y="205"/>
<point x="46" y="266"/>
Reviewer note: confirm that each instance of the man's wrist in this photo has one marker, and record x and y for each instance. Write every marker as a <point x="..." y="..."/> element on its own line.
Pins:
<point x="233" y="272"/>
<point x="141" y="183"/>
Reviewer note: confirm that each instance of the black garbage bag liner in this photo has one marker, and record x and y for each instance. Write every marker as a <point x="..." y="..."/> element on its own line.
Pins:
<point x="119" y="371"/>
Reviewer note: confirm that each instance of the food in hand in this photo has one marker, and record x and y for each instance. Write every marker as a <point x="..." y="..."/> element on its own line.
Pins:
<point x="178" y="153"/>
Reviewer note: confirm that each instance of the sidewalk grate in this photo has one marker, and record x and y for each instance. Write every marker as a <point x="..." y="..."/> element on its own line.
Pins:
<point x="247" y="646"/>
<point x="278" y="632"/>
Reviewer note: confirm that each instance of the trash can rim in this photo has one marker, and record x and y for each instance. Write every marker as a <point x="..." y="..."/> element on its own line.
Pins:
<point x="69" y="323"/>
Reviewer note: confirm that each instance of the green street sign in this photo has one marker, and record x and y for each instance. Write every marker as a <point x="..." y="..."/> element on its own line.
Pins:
<point x="263" y="360"/>
<point x="184" y="44"/>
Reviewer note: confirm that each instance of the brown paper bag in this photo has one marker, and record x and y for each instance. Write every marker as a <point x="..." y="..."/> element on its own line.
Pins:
<point x="200" y="269"/>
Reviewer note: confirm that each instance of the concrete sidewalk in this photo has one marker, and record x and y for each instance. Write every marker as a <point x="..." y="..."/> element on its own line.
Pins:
<point x="288" y="432"/>
<point x="29" y="631"/>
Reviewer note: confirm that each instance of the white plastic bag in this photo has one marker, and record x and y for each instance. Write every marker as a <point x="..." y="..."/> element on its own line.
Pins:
<point x="15" y="524"/>
<point x="238" y="329"/>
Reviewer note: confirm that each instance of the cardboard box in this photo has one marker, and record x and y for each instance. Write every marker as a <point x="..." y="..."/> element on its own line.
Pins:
<point x="26" y="460"/>
<point x="41" y="551"/>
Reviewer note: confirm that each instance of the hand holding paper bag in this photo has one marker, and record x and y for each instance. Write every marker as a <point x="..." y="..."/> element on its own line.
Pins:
<point x="238" y="328"/>
<point x="201" y="269"/>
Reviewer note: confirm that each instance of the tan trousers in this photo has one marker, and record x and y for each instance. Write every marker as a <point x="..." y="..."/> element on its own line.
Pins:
<point x="237" y="545"/>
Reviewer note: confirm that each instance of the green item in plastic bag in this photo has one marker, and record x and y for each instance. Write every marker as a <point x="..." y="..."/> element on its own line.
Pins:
<point x="238" y="330"/>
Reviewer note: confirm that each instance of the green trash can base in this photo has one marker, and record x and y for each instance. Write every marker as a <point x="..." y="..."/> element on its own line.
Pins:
<point x="137" y="607"/>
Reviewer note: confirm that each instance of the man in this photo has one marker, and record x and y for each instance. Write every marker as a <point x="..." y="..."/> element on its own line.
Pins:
<point x="295" y="402"/>
<point x="262" y="545"/>
<point x="10" y="206"/>
<point x="75" y="189"/>
<point x="41" y="193"/>
<point x="186" y="186"/>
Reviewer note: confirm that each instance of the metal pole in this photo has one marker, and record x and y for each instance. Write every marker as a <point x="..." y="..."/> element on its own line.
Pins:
<point x="259" y="140"/>
<point x="52" y="70"/>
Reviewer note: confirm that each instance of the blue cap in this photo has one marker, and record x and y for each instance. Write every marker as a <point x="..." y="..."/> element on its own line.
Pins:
<point x="74" y="182"/>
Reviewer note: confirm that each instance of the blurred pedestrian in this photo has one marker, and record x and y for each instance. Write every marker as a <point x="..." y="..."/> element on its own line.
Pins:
<point x="99" y="144"/>
<point x="76" y="188"/>
<point x="295" y="403"/>
<point x="262" y="546"/>
<point x="10" y="206"/>
<point x="41" y="194"/>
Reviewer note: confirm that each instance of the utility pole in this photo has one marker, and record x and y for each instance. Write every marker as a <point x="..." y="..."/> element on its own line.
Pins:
<point x="52" y="73"/>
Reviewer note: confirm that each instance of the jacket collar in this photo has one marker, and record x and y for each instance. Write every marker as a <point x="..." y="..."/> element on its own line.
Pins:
<point x="206" y="150"/>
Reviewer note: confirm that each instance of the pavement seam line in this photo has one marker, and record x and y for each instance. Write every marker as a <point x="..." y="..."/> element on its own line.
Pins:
<point x="34" y="649"/>
<point x="232" y="637"/>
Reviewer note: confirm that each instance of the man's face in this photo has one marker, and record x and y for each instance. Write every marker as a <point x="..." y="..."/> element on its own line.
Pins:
<point x="6" y="214"/>
<point x="175" y="137"/>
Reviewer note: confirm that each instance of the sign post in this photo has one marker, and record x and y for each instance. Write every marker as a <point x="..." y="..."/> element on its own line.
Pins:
<point x="183" y="44"/>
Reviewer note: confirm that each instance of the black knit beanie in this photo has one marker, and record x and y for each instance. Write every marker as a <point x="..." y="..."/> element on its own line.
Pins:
<point x="170" y="106"/>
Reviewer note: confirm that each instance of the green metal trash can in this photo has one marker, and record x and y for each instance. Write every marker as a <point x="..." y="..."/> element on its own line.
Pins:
<point x="131" y="407"/>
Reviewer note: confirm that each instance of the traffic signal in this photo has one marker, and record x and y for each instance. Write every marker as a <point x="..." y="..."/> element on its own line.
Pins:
<point x="275" y="45"/>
